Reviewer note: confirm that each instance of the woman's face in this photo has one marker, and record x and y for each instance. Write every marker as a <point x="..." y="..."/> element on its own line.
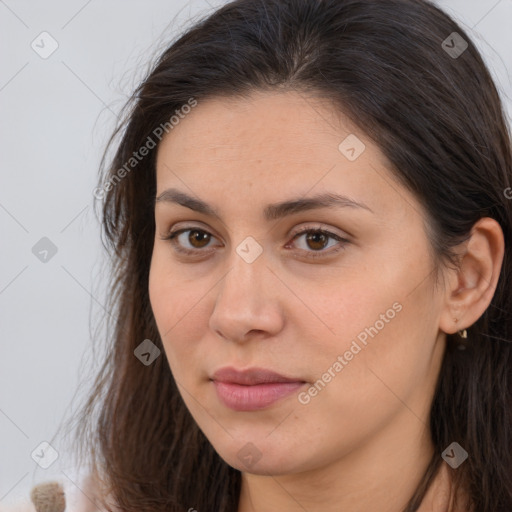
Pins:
<point x="348" y="313"/>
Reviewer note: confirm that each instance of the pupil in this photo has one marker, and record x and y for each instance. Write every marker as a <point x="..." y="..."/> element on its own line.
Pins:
<point x="311" y="238"/>
<point x="197" y="235"/>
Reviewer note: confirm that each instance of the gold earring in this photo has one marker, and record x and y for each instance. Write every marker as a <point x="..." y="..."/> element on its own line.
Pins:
<point x="462" y="333"/>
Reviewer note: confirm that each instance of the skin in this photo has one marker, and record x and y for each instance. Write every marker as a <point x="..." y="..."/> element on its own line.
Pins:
<point x="362" y="443"/>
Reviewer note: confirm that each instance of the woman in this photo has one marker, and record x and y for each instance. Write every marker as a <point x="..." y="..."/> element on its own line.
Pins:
<point x="309" y="216"/>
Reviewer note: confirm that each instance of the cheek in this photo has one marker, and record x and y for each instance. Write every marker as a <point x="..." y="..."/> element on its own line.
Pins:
<point x="388" y="357"/>
<point x="382" y="320"/>
<point x="178" y="307"/>
<point x="360" y="394"/>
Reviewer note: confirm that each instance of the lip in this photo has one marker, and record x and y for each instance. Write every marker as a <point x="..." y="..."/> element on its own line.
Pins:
<point x="252" y="389"/>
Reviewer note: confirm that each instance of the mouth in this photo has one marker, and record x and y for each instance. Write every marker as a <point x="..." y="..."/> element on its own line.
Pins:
<point x="252" y="389"/>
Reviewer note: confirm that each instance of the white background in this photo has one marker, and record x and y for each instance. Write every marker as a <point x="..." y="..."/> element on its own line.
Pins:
<point x="56" y="115"/>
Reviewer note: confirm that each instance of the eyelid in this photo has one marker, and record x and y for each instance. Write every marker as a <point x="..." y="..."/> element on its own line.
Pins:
<point x="296" y="233"/>
<point x="317" y="227"/>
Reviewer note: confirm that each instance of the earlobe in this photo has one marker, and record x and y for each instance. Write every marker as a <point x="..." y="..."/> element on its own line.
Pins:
<point x="473" y="284"/>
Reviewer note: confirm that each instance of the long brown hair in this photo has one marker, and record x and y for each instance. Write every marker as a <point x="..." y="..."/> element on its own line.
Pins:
<point x="435" y="114"/>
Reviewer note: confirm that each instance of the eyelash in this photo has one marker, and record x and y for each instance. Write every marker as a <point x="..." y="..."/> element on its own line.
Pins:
<point x="313" y="254"/>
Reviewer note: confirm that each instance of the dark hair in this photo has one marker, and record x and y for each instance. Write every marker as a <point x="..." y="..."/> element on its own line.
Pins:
<point x="438" y="119"/>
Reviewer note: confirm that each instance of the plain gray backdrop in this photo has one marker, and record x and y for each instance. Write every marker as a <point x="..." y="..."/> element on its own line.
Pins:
<point x="57" y="111"/>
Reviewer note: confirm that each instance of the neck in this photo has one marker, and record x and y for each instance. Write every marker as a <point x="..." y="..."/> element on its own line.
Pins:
<point x="380" y="476"/>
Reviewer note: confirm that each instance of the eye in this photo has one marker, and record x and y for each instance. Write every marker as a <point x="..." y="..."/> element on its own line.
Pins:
<point x="315" y="239"/>
<point x="197" y="240"/>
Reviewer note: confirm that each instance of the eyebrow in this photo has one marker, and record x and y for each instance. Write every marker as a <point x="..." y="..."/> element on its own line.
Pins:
<point x="271" y="211"/>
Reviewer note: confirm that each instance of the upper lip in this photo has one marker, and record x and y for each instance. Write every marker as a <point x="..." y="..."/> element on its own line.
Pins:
<point x="250" y="376"/>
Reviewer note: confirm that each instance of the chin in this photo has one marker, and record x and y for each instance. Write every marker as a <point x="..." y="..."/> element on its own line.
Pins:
<point x="261" y="456"/>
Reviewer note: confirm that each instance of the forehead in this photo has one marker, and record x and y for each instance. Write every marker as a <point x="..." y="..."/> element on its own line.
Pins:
<point x="276" y="127"/>
<point x="270" y="143"/>
<point x="264" y="121"/>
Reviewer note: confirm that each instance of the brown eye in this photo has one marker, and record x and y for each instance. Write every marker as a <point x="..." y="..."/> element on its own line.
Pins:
<point x="194" y="241"/>
<point x="316" y="240"/>
<point x="190" y="241"/>
<point x="197" y="238"/>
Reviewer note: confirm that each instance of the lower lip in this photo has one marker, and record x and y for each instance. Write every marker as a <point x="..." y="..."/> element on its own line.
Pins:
<point x="257" y="396"/>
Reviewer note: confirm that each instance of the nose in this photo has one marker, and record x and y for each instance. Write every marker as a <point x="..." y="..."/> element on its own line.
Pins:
<point x="247" y="303"/>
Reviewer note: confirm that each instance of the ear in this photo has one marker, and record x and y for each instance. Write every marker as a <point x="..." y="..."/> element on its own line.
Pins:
<point x="470" y="288"/>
